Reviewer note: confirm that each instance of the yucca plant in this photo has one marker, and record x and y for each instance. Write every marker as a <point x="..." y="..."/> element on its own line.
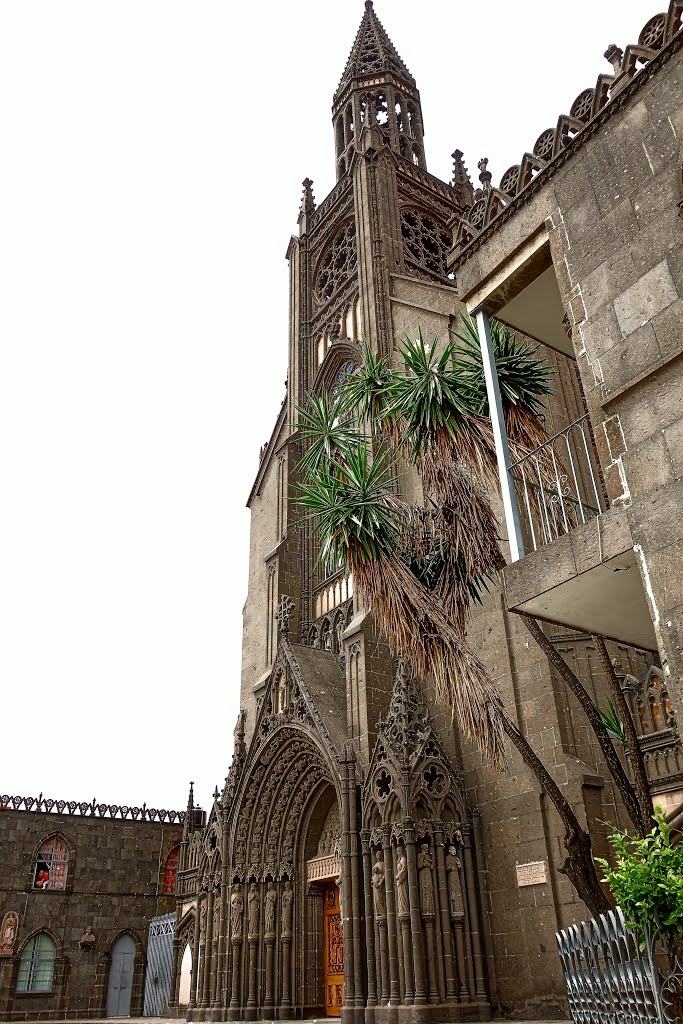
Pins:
<point x="326" y="431"/>
<point x="358" y="520"/>
<point x="523" y="378"/>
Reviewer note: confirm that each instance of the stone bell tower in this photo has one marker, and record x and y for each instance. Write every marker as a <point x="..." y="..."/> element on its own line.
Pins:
<point x="320" y="879"/>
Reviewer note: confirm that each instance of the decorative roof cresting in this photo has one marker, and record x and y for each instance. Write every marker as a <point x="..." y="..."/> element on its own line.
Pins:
<point x="489" y="201"/>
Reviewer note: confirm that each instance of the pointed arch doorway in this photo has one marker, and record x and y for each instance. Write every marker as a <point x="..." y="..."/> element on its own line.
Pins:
<point x="334" y="950"/>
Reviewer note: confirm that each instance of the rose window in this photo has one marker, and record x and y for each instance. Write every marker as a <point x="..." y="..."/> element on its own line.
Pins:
<point x="426" y="242"/>
<point x="338" y="263"/>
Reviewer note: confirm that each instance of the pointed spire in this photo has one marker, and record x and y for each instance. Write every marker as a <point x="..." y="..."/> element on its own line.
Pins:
<point x="188" y="824"/>
<point x="372" y="53"/>
<point x="307" y="206"/>
<point x="408" y="716"/>
<point x="461" y="178"/>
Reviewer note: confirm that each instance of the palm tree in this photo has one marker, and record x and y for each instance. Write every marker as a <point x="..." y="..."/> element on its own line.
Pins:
<point x="420" y="568"/>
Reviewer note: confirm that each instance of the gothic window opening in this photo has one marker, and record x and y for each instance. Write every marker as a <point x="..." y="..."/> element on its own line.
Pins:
<point x="37" y="966"/>
<point x="170" y="872"/>
<point x="426" y="242"/>
<point x="338" y="262"/>
<point x="52" y="865"/>
<point x="381" y="109"/>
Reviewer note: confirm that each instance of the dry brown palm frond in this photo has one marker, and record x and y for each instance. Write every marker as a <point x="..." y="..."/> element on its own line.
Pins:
<point x="442" y="457"/>
<point x="416" y="626"/>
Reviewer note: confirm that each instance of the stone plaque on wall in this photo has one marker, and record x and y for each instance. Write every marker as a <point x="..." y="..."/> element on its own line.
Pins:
<point x="534" y="873"/>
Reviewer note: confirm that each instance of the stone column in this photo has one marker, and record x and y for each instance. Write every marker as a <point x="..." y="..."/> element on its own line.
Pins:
<point x="287" y="916"/>
<point x="369" y="918"/>
<point x="394" y="994"/>
<point x="456" y="911"/>
<point x="268" y="998"/>
<point x="418" y="952"/>
<point x="286" y="1001"/>
<point x="253" y="924"/>
<point x="221" y="992"/>
<point x="480" y="989"/>
<point x="215" y="1002"/>
<point x="175" y="971"/>
<point x="236" y="931"/>
<point x="356" y="912"/>
<point x="442" y="904"/>
<point x="208" y="945"/>
<point x="425" y="866"/>
<point x="194" y="978"/>
<point x="347" y="885"/>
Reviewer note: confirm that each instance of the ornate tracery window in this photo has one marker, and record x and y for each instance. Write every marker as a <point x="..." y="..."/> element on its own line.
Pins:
<point x="338" y="261"/>
<point x="426" y="242"/>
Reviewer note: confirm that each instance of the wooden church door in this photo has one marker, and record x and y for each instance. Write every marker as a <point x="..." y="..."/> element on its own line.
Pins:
<point x="120" y="984"/>
<point x="334" y="952"/>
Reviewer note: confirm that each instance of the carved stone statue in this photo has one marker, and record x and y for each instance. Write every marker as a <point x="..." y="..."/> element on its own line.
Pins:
<point x="424" y="874"/>
<point x="287" y="900"/>
<point x="202" y="921"/>
<point x="269" y="914"/>
<point x="8" y="933"/>
<point x="378" y="887"/>
<point x="87" y="939"/>
<point x="403" y="898"/>
<point x="455" y="903"/>
<point x="236" y="908"/>
<point x="254" y="905"/>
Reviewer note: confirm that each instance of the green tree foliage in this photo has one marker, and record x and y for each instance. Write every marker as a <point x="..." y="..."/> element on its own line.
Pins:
<point x="647" y="878"/>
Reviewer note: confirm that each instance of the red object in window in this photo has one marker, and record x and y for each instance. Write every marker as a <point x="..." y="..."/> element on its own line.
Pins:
<point x="168" y="878"/>
<point x="52" y="863"/>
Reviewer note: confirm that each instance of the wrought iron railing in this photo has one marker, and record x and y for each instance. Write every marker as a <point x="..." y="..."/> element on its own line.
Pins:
<point x="559" y="485"/>
<point x="615" y="977"/>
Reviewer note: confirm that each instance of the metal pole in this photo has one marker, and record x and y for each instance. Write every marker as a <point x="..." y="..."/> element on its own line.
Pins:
<point x="507" y="488"/>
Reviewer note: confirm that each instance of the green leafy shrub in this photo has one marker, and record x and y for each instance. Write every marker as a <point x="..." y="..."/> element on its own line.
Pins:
<point x="647" y="878"/>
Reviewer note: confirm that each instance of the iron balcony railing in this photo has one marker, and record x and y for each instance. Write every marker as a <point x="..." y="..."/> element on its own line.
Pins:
<point x="558" y="485"/>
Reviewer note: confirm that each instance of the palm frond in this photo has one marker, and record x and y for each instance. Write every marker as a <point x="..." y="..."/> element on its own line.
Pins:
<point x="326" y="431"/>
<point x="612" y="722"/>
<point x="524" y="379"/>
<point x="364" y="392"/>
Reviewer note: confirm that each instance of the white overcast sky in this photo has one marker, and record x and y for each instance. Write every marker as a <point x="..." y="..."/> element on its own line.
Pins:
<point x="152" y="159"/>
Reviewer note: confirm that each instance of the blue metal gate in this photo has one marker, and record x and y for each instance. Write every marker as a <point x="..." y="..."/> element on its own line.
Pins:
<point x="159" y="965"/>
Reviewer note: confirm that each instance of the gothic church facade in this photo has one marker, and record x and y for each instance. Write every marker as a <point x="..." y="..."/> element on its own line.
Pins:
<point x="361" y="860"/>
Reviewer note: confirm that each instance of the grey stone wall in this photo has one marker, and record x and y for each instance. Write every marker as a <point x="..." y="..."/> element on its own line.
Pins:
<point x="113" y="885"/>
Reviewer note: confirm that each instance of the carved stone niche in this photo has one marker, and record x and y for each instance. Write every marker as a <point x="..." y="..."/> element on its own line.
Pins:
<point x="8" y="933"/>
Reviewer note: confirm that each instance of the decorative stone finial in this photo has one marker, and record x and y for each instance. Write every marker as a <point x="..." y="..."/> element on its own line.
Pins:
<point x="368" y="5"/>
<point x="615" y="56"/>
<point x="484" y="175"/>
<point x="284" y="614"/>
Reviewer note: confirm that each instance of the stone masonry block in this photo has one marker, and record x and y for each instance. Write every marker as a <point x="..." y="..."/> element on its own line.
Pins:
<point x="668" y="328"/>
<point x="648" y="467"/>
<point x="632" y="357"/>
<point x="645" y="298"/>
<point x="615" y="437"/>
<point x="674" y="441"/>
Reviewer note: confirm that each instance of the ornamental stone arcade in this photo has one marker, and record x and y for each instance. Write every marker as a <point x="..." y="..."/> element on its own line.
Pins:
<point x="360" y="859"/>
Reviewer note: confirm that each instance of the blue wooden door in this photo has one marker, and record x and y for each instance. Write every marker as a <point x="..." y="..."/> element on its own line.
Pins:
<point x="121" y="977"/>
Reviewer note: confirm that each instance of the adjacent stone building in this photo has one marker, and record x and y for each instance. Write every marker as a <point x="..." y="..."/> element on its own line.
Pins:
<point x="79" y="885"/>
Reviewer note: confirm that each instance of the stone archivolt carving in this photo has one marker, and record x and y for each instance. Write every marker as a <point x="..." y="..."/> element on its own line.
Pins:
<point x="8" y="933"/>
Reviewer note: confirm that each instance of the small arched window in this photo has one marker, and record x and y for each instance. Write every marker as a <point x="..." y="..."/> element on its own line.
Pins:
<point x="52" y="865"/>
<point x="168" y="878"/>
<point x="37" y="966"/>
